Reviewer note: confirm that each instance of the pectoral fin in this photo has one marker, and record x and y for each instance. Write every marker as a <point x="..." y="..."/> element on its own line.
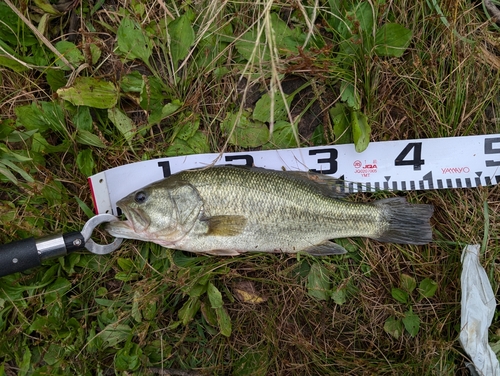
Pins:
<point x="325" y="249"/>
<point x="226" y="225"/>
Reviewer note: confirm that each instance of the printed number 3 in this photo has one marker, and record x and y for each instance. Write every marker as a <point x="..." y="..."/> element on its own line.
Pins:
<point x="416" y="161"/>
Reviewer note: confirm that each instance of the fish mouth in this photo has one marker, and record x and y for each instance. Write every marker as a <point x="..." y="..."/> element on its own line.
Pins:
<point x="138" y="220"/>
<point x="132" y="227"/>
<point x="120" y="229"/>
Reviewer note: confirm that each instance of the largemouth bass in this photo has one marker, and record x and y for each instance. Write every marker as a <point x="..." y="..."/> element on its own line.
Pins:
<point x="229" y="210"/>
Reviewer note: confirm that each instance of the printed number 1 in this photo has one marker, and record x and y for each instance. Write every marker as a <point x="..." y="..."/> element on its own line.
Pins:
<point x="417" y="160"/>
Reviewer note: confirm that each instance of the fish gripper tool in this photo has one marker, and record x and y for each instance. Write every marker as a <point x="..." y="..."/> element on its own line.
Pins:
<point x="29" y="253"/>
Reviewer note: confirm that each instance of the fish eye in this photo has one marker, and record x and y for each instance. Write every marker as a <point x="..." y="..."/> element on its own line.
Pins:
<point x="140" y="197"/>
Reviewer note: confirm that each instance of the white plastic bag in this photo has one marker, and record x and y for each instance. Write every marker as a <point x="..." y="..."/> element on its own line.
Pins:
<point x="478" y="308"/>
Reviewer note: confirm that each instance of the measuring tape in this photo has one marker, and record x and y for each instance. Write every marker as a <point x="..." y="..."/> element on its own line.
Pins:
<point x="436" y="163"/>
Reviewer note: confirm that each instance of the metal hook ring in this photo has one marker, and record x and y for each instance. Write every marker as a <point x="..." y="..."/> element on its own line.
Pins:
<point x="88" y="228"/>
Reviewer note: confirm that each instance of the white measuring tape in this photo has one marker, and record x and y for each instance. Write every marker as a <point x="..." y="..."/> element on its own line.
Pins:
<point x="436" y="163"/>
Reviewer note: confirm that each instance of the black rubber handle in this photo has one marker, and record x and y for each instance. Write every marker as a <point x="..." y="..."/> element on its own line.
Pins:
<point x="18" y="256"/>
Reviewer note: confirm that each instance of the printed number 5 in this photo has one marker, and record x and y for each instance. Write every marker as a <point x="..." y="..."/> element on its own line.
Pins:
<point x="417" y="160"/>
<point x="489" y="149"/>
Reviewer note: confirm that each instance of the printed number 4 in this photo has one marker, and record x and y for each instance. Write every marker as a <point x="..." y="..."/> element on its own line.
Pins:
<point x="416" y="161"/>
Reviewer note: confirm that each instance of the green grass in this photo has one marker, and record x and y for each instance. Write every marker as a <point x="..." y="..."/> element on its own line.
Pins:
<point x="187" y="78"/>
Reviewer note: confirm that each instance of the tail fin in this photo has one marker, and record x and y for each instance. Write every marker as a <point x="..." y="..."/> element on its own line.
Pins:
<point x="405" y="223"/>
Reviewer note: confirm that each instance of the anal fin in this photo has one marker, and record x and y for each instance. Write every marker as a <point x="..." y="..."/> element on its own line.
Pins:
<point x="325" y="249"/>
<point x="223" y="252"/>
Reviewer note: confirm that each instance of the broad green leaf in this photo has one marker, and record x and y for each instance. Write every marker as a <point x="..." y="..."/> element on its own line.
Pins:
<point x="123" y="123"/>
<point x="125" y="264"/>
<point x="495" y="346"/>
<point x="57" y="289"/>
<point x="115" y="333"/>
<point x="150" y="310"/>
<point x="199" y="143"/>
<point x="198" y="290"/>
<point x="408" y="283"/>
<point x="132" y="82"/>
<point x="54" y="192"/>
<point x="350" y="95"/>
<point x="5" y="173"/>
<point x="71" y="52"/>
<point x="212" y="49"/>
<point x="360" y="130"/>
<point x="128" y="358"/>
<point x="170" y="108"/>
<point x="318" y="137"/>
<point x="40" y="145"/>
<point x="394" y="327"/>
<point x="56" y="78"/>
<point x="400" y="295"/>
<point x="87" y="138"/>
<point x="187" y="130"/>
<point x="13" y="30"/>
<point x="195" y="145"/>
<point x="246" y="133"/>
<point x="364" y="14"/>
<point x="16" y="168"/>
<point x="283" y="136"/>
<point x="30" y="117"/>
<point x="6" y="61"/>
<point x="69" y="262"/>
<point x="152" y="98"/>
<point x="339" y="295"/>
<point x="318" y="283"/>
<point x="341" y="124"/>
<point x="189" y="309"/>
<point x="104" y="302"/>
<point x="54" y="116"/>
<point x="135" y="312"/>
<point x="95" y="53"/>
<point x="286" y="39"/>
<point x="92" y="92"/>
<point x="262" y="110"/>
<point x="40" y="324"/>
<point x="411" y="322"/>
<point x="224" y="321"/>
<point x="392" y="39"/>
<point x="82" y="118"/>
<point x="181" y="35"/>
<point x="26" y="363"/>
<point x="214" y="296"/>
<point x="85" y="162"/>
<point x="246" y="44"/>
<point x="53" y="354"/>
<point x="47" y="7"/>
<point x="16" y="136"/>
<point x="132" y="41"/>
<point x="427" y="288"/>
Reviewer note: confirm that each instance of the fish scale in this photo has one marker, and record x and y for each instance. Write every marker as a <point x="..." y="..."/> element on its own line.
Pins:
<point x="227" y="210"/>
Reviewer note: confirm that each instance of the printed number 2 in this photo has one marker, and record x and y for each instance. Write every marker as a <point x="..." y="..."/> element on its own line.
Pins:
<point x="417" y="160"/>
